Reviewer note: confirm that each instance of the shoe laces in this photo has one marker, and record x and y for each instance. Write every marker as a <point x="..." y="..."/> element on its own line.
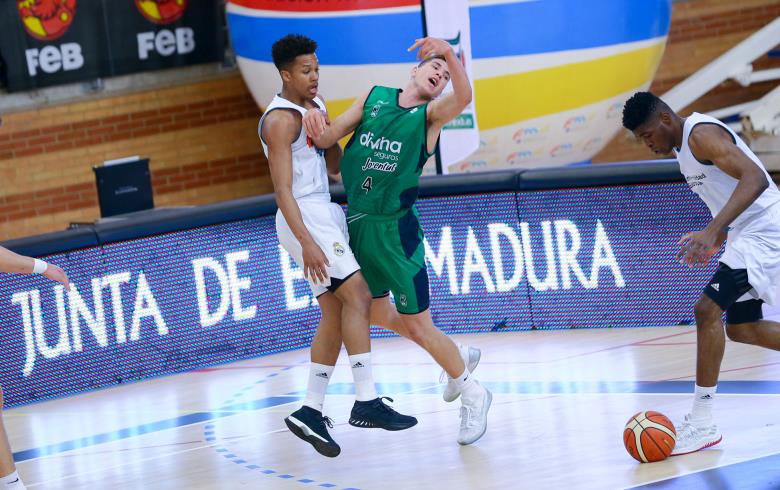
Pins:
<point x="327" y="421"/>
<point x="465" y="417"/>
<point x="384" y="405"/>
<point x="687" y="430"/>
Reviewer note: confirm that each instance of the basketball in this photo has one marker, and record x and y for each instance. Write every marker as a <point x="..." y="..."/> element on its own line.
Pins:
<point x="649" y="437"/>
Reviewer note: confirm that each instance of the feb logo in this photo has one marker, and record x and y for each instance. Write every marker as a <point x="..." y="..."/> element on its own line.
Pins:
<point x="161" y="11"/>
<point x="46" y="20"/>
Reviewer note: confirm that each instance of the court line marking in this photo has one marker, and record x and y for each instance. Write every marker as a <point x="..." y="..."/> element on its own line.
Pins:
<point x="670" y="388"/>
<point x="210" y="435"/>
<point x="693" y="472"/>
<point x="151" y="458"/>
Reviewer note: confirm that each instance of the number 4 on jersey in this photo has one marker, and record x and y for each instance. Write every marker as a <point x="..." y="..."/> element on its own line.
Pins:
<point x="367" y="184"/>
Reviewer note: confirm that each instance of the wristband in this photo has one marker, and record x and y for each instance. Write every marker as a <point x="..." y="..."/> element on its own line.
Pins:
<point x="40" y="266"/>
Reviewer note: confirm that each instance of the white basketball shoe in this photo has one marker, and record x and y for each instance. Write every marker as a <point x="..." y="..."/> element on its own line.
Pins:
<point x="692" y="437"/>
<point x="473" y="414"/>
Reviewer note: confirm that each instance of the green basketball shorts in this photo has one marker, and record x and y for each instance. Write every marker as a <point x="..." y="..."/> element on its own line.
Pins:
<point x="391" y="255"/>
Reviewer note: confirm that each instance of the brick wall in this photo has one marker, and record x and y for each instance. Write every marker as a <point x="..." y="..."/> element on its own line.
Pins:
<point x="201" y="139"/>
<point x="701" y="31"/>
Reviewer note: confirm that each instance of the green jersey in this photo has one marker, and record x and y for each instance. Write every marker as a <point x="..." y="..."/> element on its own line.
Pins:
<point x="383" y="160"/>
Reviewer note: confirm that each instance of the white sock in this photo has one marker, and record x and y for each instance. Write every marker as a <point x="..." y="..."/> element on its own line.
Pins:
<point x="11" y="482"/>
<point x="701" y="413"/>
<point x="465" y="382"/>
<point x="364" y="377"/>
<point x="319" y="377"/>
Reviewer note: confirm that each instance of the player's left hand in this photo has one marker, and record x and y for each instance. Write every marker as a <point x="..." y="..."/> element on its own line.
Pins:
<point x="315" y="121"/>
<point x="430" y="46"/>
<point x="697" y="248"/>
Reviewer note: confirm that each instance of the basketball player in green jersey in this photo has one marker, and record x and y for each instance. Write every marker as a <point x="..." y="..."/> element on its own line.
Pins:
<point x="395" y="132"/>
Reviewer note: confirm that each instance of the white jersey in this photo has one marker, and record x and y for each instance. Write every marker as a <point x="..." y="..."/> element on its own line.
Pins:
<point x="310" y="177"/>
<point x="324" y="220"/>
<point x="713" y="185"/>
<point x="753" y="241"/>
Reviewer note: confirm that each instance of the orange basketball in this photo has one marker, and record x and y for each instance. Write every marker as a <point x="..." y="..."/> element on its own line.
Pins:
<point x="649" y="437"/>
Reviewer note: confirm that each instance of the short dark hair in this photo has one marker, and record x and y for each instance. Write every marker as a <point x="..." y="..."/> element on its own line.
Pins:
<point x="431" y="58"/>
<point x="640" y="107"/>
<point x="285" y="50"/>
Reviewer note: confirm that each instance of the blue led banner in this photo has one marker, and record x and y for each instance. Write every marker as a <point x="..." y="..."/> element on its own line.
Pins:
<point x="595" y="257"/>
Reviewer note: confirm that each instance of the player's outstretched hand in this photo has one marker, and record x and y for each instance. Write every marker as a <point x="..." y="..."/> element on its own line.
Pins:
<point x="55" y="273"/>
<point x="314" y="122"/>
<point x="430" y="46"/>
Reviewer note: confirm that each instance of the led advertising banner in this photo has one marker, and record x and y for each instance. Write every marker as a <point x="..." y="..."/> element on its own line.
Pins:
<point x="573" y="258"/>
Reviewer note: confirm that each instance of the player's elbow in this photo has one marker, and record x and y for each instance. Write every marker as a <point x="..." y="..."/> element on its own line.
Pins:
<point x="764" y="182"/>
<point x="466" y="98"/>
<point x="759" y="180"/>
<point x="282" y="194"/>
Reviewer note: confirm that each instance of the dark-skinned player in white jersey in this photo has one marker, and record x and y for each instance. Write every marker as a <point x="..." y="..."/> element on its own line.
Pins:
<point x="745" y="205"/>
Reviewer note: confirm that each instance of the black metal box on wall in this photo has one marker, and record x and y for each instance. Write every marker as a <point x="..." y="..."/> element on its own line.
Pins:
<point x="124" y="187"/>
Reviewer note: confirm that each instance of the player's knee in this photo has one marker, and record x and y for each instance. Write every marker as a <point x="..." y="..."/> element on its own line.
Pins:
<point x="706" y="312"/>
<point x="356" y="296"/>
<point x="360" y="301"/>
<point x="418" y="333"/>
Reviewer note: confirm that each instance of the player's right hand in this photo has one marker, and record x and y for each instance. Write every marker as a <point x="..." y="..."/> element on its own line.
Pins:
<point x="430" y="46"/>
<point x="314" y="122"/>
<point x="55" y="273"/>
<point x="315" y="263"/>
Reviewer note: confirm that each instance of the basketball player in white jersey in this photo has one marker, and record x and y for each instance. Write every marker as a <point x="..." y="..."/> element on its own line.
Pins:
<point x="314" y="232"/>
<point x="745" y="205"/>
<point x="14" y="263"/>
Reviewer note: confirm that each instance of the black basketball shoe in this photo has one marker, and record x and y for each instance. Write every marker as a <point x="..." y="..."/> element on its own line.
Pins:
<point x="309" y="425"/>
<point x="378" y="414"/>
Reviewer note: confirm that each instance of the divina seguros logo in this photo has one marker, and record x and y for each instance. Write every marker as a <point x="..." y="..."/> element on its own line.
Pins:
<point x="46" y="20"/>
<point x="369" y="141"/>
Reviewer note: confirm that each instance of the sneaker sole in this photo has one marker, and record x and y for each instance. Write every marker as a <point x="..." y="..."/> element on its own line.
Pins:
<point x="304" y="433"/>
<point x="362" y="424"/>
<point x="709" y="444"/>
<point x="471" y="370"/>
<point x="484" y="429"/>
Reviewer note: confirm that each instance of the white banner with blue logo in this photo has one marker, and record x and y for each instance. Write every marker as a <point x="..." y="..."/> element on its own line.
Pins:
<point x="449" y="19"/>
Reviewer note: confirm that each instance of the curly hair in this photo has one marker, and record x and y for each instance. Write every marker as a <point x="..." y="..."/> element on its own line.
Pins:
<point x="639" y="108"/>
<point x="285" y="50"/>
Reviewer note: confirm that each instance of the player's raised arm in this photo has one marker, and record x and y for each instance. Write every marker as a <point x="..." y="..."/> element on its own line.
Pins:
<point x="19" y="264"/>
<point x="326" y="133"/>
<point x="445" y="109"/>
<point x="279" y="130"/>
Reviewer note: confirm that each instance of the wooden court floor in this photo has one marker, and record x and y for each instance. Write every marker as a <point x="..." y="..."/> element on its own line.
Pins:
<point x="561" y="399"/>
